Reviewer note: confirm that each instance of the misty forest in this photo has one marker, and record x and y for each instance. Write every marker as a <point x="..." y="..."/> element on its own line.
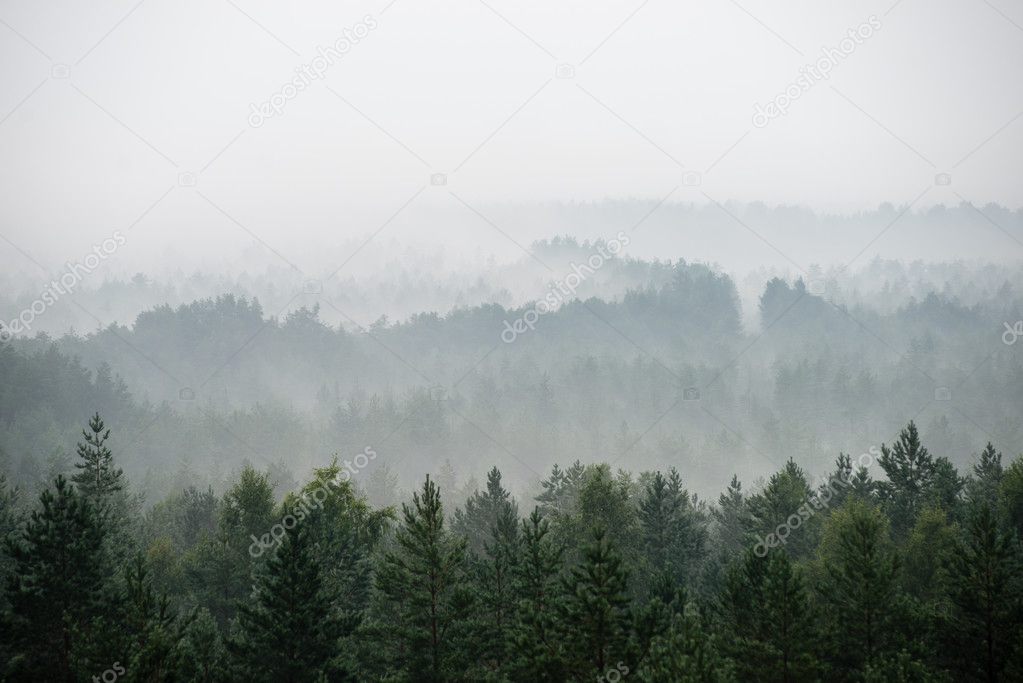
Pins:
<point x="480" y="341"/>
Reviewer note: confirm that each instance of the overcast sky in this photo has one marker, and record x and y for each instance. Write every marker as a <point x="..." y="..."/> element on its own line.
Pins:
<point x="110" y="111"/>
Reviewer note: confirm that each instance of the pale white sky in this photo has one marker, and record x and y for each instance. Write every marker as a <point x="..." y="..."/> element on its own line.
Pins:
<point x="106" y="108"/>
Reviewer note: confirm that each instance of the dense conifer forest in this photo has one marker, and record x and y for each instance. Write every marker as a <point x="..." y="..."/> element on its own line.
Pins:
<point x="605" y="574"/>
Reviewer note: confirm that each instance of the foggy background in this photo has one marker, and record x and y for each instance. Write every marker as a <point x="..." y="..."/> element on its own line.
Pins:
<point x="440" y="164"/>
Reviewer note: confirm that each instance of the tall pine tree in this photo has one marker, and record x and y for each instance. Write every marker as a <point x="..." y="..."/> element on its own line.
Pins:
<point x="287" y="632"/>
<point x="425" y="601"/>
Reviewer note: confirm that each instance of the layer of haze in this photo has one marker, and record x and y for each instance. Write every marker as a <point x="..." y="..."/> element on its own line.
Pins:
<point x="468" y="88"/>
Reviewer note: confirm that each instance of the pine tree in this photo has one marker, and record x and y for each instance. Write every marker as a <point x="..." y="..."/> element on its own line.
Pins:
<point x="99" y="478"/>
<point x="791" y="632"/>
<point x="732" y="518"/>
<point x="59" y="588"/>
<point x="153" y="633"/>
<point x="985" y="577"/>
<point x="860" y="584"/>
<point x="495" y="576"/>
<point x="983" y="486"/>
<point x="10" y="520"/>
<point x="483" y="511"/>
<point x="768" y="619"/>
<point x="287" y="632"/>
<point x="786" y="495"/>
<point x="910" y="471"/>
<point x="425" y="601"/>
<point x="673" y="535"/>
<point x="538" y="651"/>
<point x="686" y="653"/>
<point x="1010" y="497"/>
<point x="217" y="569"/>
<point x="595" y="609"/>
<point x="204" y="658"/>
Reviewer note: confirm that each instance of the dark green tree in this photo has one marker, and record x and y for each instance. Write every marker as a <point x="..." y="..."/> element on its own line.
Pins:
<point x="204" y="658"/>
<point x="217" y="569"/>
<point x="595" y="609"/>
<point x="860" y="586"/>
<point x="673" y="533"/>
<point x="786" y="497"/>
<point x="153" y="634"/>
<point x="59" y="588"/>
<point x="985" y="481"/>
<point x="768" y="620"/>
<point x="98" y="477"/>
<point x="985" y="588"/>
<point x="425" y="599"/>
<point x="732" y="519"/>
<point x="688" y="652"/>
<point x="483" y="511"/>
<point x="910" y="471"/>
<point x="535" y="640"/>
<point x="287" y="632"/>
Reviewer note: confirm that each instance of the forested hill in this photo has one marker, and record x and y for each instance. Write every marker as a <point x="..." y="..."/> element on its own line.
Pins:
<point x="664" y="376"/>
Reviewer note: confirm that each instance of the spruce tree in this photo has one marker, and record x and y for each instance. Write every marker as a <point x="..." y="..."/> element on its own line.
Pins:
<point x="59" y="588"/>
<point x="99" y="478"/>
<point x="204" y="658"/>
<point x="732" y="520"/>
<point x="791" y="632"/>
<point x="494" y="573"/>
<point x="595" y="609"/>
<point x="536" y="645"/>
<point x="217" y="569"/>
<point x="860" y="584"/>
<point x="483" y="511"/>
<point x="153" y="633"/>
<point x="287" y="631"/>
<point x="786" y="493"/>
<point x="425" y="600"/>
<point x="983" y="485"/>
<point x="910" y="470"/>
<point x="673" y="534"/>
<point x="768" y="620"/>
<point x="687" y="652"/>
<point x="985" y="575"/>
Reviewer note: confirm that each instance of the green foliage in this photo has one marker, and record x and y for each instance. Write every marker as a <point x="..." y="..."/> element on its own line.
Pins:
<point x="911" y="473"/>
<point x="986" y="590"/>
<point x="609" y="578"/>
<point x="425" y="601"/>
<point x="288" y="631"/>
<point x="595" y="609"/>
<point x="59" y="588"/>
<point x="98" y="478"/>
<point x="860" y="587"/>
